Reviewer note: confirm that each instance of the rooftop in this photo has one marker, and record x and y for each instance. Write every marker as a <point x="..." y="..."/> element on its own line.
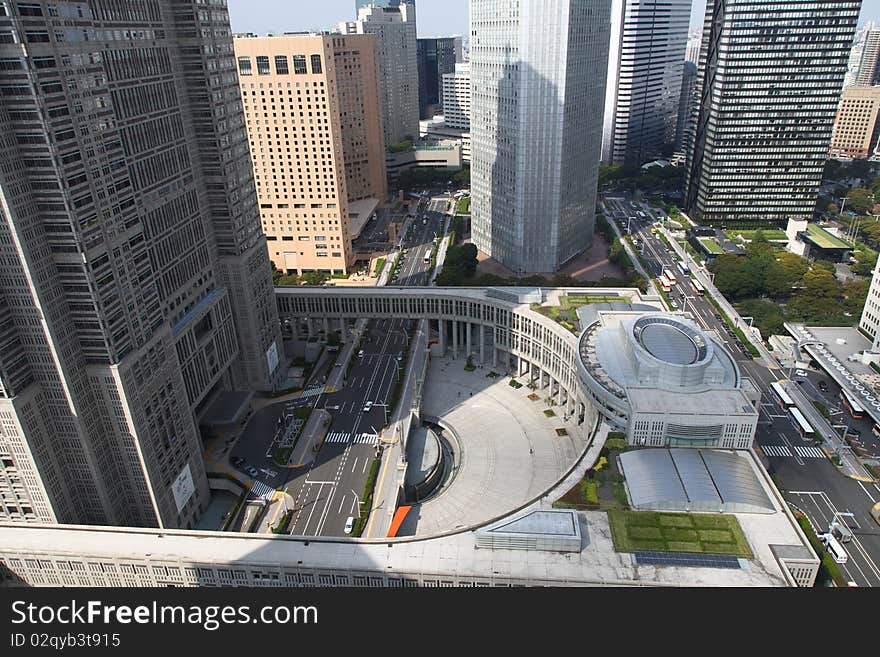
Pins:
<point x="825" y="240"/>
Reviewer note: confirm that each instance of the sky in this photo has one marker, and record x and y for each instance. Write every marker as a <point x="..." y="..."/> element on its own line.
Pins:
<point x="434" y="17"/>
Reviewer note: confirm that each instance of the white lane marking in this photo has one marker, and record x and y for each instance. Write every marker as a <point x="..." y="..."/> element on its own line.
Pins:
<point x="354" y="465"/>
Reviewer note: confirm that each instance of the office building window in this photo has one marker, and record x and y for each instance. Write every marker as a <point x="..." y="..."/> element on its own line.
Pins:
<point x="281" y="65"/>
<point x="244" y="66"/>
<point x="262" y="65"/>
<point x="299" y="64"/>
<point x="316" y="64"/>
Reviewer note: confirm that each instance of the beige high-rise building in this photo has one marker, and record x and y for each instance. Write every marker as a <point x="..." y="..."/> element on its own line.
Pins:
<point x="311" y="105"/>
<point x="855" y="128"/>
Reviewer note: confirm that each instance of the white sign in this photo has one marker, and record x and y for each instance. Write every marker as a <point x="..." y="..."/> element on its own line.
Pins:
<point x="272" y="357"/>
<point x="183" y="487"/>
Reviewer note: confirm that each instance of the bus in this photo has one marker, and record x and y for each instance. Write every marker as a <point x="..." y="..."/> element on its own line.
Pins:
<point x="428" y="257"/>
<point x="835" y="549"/>
<point x="782" y="397"/>
<point x="670" y="276"/>
<point x="699" y="290"/>
<point x="805" y="429"/>
<point x="683" y="266"/>
<point x="851" y="404"/>
<point x="664" y="283"/>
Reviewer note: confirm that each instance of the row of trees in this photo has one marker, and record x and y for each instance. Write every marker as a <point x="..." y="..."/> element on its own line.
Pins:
<point x="775" y="286"/>
<point x="632" y="177"/>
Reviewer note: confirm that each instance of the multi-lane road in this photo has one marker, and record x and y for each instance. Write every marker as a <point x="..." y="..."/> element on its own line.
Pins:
<point x="324" y="493"/>
<point x="802" y="471"/>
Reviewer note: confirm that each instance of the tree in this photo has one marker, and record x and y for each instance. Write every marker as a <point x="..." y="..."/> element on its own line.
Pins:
<point x="864" y="264"/>
<point x="463" y="177"/>
<point x="834" y="209"/>
<point x="860" y="201"/>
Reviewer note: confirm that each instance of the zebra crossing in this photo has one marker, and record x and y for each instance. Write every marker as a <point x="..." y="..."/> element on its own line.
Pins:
<point x="259" y="489"/>
<point x="346" y="437"/>
<point x="803" y="451"/>
<point x="311" y="392"/>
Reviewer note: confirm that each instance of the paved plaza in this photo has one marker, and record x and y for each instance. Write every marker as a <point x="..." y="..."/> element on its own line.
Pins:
<point x="508" y="450"/>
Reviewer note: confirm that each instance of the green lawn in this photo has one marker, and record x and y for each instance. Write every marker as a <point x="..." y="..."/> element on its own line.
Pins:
<point x="572" y="301"/>
<point x="463" y="206"/>
<point x="634" y="531"/>
<point x="380" y="263"/>
<point x="824" y="239"/>
<point x="711" y="245"/>
<point x="770" y="234"/>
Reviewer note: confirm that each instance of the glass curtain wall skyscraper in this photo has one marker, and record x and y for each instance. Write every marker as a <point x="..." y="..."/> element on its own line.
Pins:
<point x="644" y="79"/>
<point x="769" y="84"/>
<point x="134" y="278"/>
<point x="538" y="72"/>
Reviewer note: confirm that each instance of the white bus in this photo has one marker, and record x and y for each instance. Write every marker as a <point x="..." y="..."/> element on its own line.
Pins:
<point x="683" y="266"/>
<point x="835" y="549"/>
<point x="782" y="397"/>
<point x="699" y="290"/>
<point x="800" y="423"/>
<point x="670" y="276"/>
<point x="428" y="257"/>
<point x="664" y="283"/>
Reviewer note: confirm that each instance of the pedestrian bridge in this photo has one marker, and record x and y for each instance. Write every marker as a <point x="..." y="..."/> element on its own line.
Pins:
<point x="494" y="325"/>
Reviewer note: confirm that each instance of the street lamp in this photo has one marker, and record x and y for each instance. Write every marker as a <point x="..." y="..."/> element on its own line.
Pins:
<point x="358" y="498"/>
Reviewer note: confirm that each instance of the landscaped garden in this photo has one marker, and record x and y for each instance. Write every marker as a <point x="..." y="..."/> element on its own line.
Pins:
<point x="700" y="533"/>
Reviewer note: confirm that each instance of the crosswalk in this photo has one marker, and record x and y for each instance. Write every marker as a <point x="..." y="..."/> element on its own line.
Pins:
<point x="801" y="450"/>
<point x="311" y="392"/>
<point x="346" y="437"/>
<point x="259" y="489"/>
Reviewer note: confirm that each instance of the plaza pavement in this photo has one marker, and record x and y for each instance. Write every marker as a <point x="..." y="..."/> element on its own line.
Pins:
<point x="509" y="452"/>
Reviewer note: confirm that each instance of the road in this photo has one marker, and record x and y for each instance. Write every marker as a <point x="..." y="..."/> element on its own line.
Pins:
<point x="323" y="494"/>
<point x="795" y="464"/>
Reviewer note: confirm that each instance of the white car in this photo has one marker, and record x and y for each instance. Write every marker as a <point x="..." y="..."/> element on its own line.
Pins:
<point x="367" y="407"/>
<point x="349" y="525"/>
<point x="800" y="373"/>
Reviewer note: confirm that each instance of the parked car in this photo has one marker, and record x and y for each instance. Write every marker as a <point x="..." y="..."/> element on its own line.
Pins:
<point x="349" y="525"/>
<point x="252" y="471"/>
<point x="823" y="386"/>
<point x="800" y="373"/>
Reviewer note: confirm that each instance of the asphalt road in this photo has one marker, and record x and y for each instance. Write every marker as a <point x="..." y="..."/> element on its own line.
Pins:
<point x="325" y="494"/>
<point x="794" y="463"/>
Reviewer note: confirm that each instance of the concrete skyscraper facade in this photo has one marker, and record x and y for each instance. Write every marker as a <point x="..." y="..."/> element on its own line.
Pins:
<point x="856" y="125"/>
<point x="395" y="31"/>
<point x="134" y="279"/>
<point x="436" y="57"/>
<point x="644" y="79"/>
<point x="769" y="84"/>
<point x="309" y="170"/>
<point x="538" y="72"/>
<point x="457" y="98"/>
<point x="869" y="63"/>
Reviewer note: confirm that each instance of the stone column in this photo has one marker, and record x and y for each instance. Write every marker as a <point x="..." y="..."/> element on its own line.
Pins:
<point x="494" y="356"/>
<point x="482" y="344"/>
<point x="455" y="338"/>
<point x="442" y="326"/>
<point x="467" y="338"/>
<point x="311" y="326"/>
<point x="326" y="327"/>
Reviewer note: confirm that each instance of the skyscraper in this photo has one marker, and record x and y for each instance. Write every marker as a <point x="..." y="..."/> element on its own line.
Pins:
<point x="769" y="84"/>
<point x="856" y="125"/>
<point x="538" y="72"/>
<point x="869" y="71"/>
<point x="134" y="279"/>
<point x="436" y="57"/>
<point x="686" y="102"/>
<point x="457" y="98"/>
<point x="395" y="31"/>
<point x="313" y="173"/>
<point x="644" y="79"/>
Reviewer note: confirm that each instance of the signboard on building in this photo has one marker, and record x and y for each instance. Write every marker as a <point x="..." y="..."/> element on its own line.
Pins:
<point x="183" y="487"/>
<point x="272" y="357"/>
